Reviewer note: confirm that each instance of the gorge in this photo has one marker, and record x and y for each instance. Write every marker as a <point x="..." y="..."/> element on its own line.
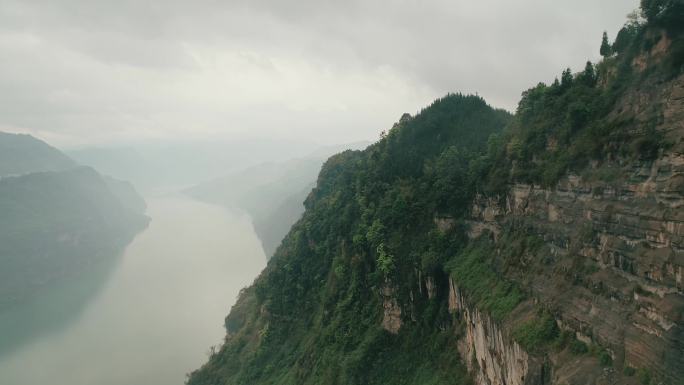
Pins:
<point x="471" y="245"/>
<point x="149" y="316"/>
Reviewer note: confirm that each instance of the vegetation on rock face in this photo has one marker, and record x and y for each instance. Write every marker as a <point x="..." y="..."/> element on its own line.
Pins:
<point x="538" y="333"/>
<point x="473" y="269"/>
<point x="369" y="232"/>
<point x="559" y="128"/>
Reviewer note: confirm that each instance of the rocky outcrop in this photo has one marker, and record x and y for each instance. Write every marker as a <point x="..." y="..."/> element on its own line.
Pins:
<point x="489" y="354"/>
<point x="610" y="268"/>
<point x="391" y="320"/>
<point x="612" y="265"/>
<point x="614" y="257"/>
<point x="612" y="271"/>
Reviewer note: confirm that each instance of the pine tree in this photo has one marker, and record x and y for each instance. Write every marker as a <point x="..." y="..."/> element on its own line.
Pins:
<point x="589" y="75"/>
<point x="566" y="79"/>
<point x="606" y="49"/>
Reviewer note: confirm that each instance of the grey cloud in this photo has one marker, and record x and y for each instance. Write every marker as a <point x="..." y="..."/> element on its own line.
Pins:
<point x="344" y="70"/>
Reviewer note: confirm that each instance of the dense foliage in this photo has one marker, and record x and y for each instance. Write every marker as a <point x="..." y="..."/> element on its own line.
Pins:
<point x="369" y="221"/>
<point x="561" y="127"/>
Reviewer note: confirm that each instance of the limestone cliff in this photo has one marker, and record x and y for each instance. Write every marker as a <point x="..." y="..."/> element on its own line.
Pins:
<point x="610" y="269"/>
<point x="488" y="352"/>
<point x="612" y="263"/>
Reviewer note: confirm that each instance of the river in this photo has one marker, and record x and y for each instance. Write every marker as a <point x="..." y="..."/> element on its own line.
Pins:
<point x="151" y="317"/>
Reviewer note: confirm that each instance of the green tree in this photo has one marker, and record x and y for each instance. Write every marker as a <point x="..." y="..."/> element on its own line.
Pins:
<point x="376" y="232"/>
<point x="588" y="76"/>
<point x="385" y="260"/>
<point x="625" y="37"/>
<point x="566" y="79"/>
<point x="634" y="19"/>
<point x="651" y="9"/>
<point x="606" y="49"/>
<point x="668" y="14"/>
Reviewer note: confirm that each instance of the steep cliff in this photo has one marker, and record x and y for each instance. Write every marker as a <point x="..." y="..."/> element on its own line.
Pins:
<point x="469" y="246"/>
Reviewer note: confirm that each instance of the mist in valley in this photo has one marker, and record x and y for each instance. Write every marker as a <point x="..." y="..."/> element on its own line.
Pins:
<point x="114" y="255"/>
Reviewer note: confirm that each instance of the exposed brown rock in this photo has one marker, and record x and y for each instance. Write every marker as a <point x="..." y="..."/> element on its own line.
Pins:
<point x="491" y="355"/>
<point x="391" y="320"/>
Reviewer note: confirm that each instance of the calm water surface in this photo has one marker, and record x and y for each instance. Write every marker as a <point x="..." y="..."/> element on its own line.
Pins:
<point x="147" y="319"/>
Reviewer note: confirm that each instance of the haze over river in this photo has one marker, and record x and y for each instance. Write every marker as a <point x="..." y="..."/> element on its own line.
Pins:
<point x="148" y="318"/>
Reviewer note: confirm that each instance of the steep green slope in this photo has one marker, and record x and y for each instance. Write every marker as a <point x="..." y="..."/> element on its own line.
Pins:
<point x="313" y="316"/>
<point x="21" y="154"/>
<point x="457" y="250"/>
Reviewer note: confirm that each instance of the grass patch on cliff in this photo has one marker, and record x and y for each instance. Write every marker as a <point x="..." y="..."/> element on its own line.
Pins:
<point x="472" y="271"/>
<point x="542" y="334"/>
<point x="537" y="334"/>
<point x="644" y="376"/>
<point x="402" y="360"/>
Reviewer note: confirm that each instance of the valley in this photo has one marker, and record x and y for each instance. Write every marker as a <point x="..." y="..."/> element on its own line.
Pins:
<point x="148" y="317"/>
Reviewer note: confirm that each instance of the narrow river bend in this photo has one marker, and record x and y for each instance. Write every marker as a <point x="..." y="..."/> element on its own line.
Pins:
<point x="156" y="312"/>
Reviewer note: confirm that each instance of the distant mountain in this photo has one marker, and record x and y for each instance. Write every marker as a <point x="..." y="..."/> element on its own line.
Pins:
<point x="171" y="165"/>
<point x="271" y="193"/>
<point x="122" y="163"/>
<point x="21" y="154"/>
<point x="125" y="194"/>
<point x="57" y="218"/>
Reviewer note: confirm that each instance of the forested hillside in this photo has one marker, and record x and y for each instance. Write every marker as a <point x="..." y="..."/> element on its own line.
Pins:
<point x="469" y="245"/>
<point x="57" y="219"/>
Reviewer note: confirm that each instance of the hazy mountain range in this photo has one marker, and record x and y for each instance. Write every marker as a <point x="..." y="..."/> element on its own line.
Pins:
<point x="166" y="166"/>
<point x="56" y="217"/>
<point x="271" y="193"/>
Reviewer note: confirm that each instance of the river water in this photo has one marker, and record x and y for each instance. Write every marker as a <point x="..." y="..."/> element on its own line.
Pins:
<point x="149" y="317"/>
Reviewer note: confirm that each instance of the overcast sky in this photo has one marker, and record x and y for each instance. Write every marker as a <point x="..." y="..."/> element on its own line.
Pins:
<point x="79" y="72"/>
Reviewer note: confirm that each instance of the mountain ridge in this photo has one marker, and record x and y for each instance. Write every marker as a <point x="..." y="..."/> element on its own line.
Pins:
<point x="22" y="154"/>
<point x="57" y="218"/>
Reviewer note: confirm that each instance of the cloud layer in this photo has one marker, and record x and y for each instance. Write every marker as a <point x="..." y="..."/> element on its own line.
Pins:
<point x="92" y="71"/>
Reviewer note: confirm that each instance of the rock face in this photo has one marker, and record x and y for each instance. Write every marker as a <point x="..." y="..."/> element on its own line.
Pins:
<point x="612" y="266"/>
<point x="614" y="256"/>
<point x="487" y="351"/>
<point x="391" y="320"/>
